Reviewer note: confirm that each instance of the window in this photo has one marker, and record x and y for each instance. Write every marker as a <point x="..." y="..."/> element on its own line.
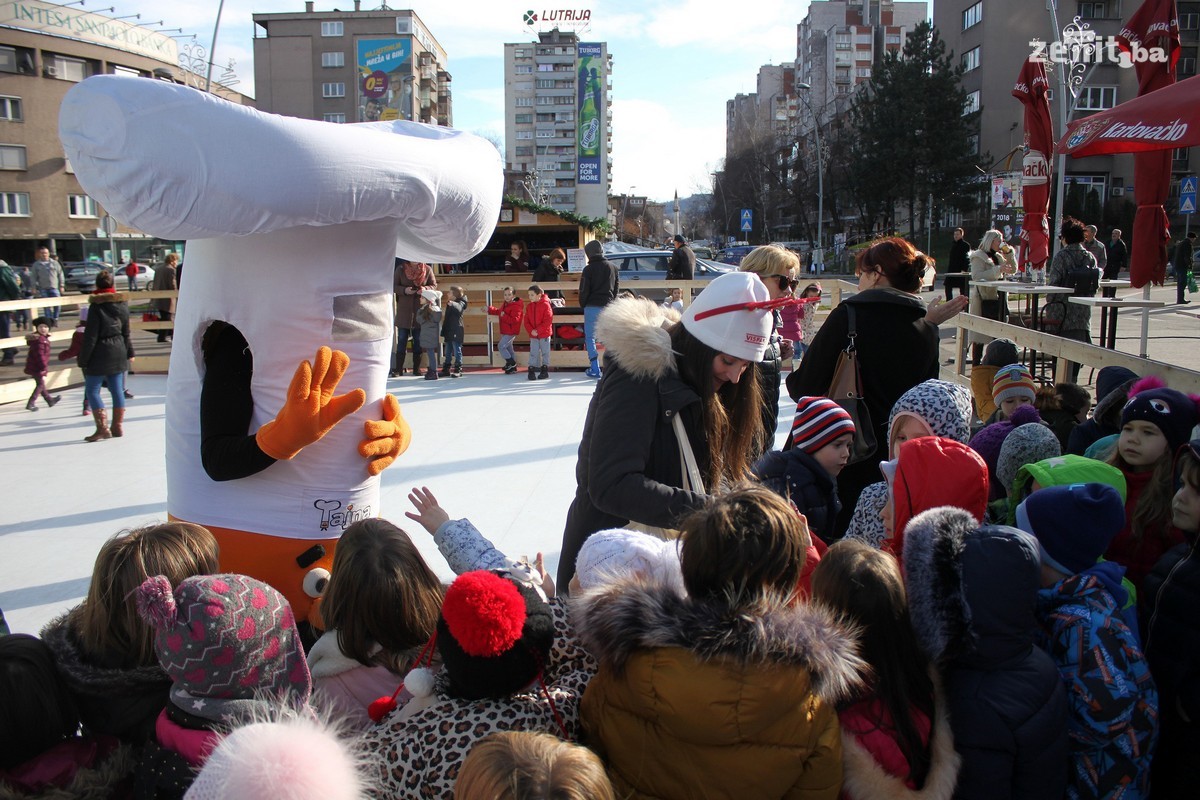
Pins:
<point x="973" y="144"/>
<point x="522" y="119"/>
<point x="520" y="54"/>
<point x="1088" y="183"/>
<point x="1180" y="156"/>
<point x="545" y="83"/>
<point x="970" y="59"/>
<point x="340" y="119"/>
<point x="524" y="69"/>
<point x="1187" y="68"/>
<point x="546" y="134"/>
<point x="524" y="86"/>
<point x="14" y="204"/>
<point x="524" y="134"/>
<point x="337" y="59"/>
<point x="1189" y="22"/>
<point x="973" y="15"/>
<point x="862" y="72"/>
<point x="524" y="151"/>
<point x="8" y="59"/>
<point x="117" y="69"/>
<point x="524" y="102"/>
<point x="331" y="28"/>
<point x="862" y="38"/>
<point x="841" y="41"/>
<point x="892" y="38"/>
<point x="12" y="156"/>
<point x="337" y="89"/>
<point x="1093" y="10"/>
<point x="10" y="109"/>
<point x="972" y="104"/>
<point x="80" y="205"/>
<point x="66" y="69"/>
<point x="547" y="101"/>
<point x="546" y="67"/>
<point x="566" y="165"/>
<point x="1097" y="98"/>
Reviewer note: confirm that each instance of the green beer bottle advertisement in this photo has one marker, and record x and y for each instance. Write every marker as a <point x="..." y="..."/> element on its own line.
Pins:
<point x="591" y="99"/>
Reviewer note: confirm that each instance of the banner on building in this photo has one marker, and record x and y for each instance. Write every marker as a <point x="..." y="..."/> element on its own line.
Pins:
<point x="1008" y="221"/>
<point x="383" y="92"/>
<point x="76" y="23"/>
<point x="590" y="111"/>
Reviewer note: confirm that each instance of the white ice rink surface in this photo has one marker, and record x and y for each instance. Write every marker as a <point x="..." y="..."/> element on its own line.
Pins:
<point x="495" y="448"/>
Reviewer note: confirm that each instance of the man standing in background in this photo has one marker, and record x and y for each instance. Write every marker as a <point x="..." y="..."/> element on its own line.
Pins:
<point x="1095" y="247"/>
<point x="682" y="266"/>
<point x="48" y="279"/>
<point x="1118" y="256"/>
<point x="960" y="261"/>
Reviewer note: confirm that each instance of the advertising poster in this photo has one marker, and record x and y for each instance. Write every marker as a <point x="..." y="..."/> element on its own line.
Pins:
<point x="590" y="111"/>
<point x="1008" y="221"/>
<point x="383" y="92"/>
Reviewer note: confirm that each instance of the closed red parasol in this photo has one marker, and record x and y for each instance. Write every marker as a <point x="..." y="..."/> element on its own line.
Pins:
<point x="1150" y="39"/>
<point x="1035" y="179"/>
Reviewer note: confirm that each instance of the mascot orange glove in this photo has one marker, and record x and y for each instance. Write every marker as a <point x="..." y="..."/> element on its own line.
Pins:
<point x="311" y="409"/>
<point x="387" y="439"/>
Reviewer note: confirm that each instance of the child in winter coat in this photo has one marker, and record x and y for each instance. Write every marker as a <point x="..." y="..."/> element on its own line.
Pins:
<point x="1012" y="387"/>
<point x="1024" y="445"/>
<point x="1173" y="640"/>
<point x="509" y="663"/>
<point x="231" y="648"/>
<point x="806" y="474"/>
<point x="1111" y="699"/>
<point x="1155" y="423"/>
<point x="76" y="345"/>
<point x="1063" y="407"/>
<point x="37" y="361"/>
<point x="931" y="408"/>
<point x="539" y="323"/>
<point x="41" y="753"/>
<point x="988" y="442"/>
<point x="997" y="353"/>
<point x="429" y="317"/>
<point x="896" y="738"/>
<point x="511" y="312"/>
<point x="103" y="650"/>
<point x="972" y="597"/>
<point x="927" y="473"/>
<point x="453" y="332"/>
<point x="1112" y="390"/>
<point x="684" y="678"/>
<point x="811" y="295"/>
<point x="380" y="607"/>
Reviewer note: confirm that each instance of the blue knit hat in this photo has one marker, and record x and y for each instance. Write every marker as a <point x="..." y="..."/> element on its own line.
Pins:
<point x="1073" y="524"/>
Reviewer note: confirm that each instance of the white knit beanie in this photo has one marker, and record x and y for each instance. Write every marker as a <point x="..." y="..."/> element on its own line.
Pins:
<point x="719" y="318"/>
<point x="294" y="758"/>
<point x="617" y="553"/>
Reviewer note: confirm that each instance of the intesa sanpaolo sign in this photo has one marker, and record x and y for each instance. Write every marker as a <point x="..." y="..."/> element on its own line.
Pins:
<point x="76" y="23"/>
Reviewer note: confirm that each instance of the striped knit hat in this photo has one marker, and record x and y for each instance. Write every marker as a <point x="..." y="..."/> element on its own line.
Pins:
<point x="1014" y="380"/>
<point x="818" y="422"/>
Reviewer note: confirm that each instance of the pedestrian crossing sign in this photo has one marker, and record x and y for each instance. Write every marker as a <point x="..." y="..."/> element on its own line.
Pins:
<point x="1187" y="205"/>
<point x="747" y="219"/>
<point x="1187" y="194"/>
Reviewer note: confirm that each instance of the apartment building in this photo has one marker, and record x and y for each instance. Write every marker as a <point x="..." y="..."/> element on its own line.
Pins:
<point x="558" y="119"/>
<point x="351" y="66"/>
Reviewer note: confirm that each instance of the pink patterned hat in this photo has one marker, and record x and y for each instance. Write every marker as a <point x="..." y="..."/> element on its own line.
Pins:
<point x="223" y="639"/>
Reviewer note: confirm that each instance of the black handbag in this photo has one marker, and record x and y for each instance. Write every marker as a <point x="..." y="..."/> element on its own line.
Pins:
<point x="845" y="389"/>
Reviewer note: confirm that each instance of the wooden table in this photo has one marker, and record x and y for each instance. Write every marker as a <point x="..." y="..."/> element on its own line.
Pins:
<point x="1035" y="291"/>
<point x="1108" y="321"/>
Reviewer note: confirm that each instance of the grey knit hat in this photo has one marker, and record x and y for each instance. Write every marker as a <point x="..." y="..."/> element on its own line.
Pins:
<point x="1027" y="444"/>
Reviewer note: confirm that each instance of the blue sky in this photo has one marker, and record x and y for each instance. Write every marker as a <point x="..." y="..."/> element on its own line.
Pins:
<point x="675" y="63"/>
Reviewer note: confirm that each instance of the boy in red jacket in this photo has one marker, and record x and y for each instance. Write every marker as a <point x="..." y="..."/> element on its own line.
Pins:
<point x="539" y="321"/>
<point x="511" y="312"/>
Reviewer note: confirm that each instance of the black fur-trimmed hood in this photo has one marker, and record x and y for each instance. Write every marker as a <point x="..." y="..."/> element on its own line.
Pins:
<point x="617" y="620"/>
<point x="85" y="677"/>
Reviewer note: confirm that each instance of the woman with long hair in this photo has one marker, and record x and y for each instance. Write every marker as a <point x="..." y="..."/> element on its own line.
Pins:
<point x="697" y="375"/>
<point x="105" y="354"/>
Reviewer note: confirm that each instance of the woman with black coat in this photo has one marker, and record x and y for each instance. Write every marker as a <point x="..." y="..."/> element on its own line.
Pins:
<point x="105" y="354"/>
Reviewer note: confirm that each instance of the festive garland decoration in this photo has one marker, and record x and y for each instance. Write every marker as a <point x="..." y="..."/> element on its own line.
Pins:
<point x="593" y="224"/>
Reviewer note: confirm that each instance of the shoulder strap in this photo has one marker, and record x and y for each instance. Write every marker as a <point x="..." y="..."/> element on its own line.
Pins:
<point x="692" y="479"/>
<point x="851" y="328"/>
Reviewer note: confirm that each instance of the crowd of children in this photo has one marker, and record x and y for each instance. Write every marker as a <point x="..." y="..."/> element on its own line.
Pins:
<point x="1006" y="618"/>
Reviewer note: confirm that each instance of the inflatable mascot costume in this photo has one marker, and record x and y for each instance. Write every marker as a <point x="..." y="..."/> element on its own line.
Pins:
<point x="293" y="227"/>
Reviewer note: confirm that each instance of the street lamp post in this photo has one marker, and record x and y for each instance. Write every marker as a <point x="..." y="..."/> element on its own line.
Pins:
<point x="804" y="90"/>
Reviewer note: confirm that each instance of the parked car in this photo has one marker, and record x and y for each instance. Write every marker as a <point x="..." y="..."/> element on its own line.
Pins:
<point x="651" y="265"/>
<point x="734" y="254"/>
<point x="80" y="276"/>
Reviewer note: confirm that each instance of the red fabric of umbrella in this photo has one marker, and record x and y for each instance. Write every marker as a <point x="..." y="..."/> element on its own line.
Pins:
<point x="1156" y="23"/>
<point x="1031" y="90"/>
<point x="1162" y="120"/>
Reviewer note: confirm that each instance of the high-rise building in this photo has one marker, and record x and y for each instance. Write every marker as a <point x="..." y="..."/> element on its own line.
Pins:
<point x="557" y="120"/>
<point x="350" y="66"/>
<point x="992" y="43"/>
